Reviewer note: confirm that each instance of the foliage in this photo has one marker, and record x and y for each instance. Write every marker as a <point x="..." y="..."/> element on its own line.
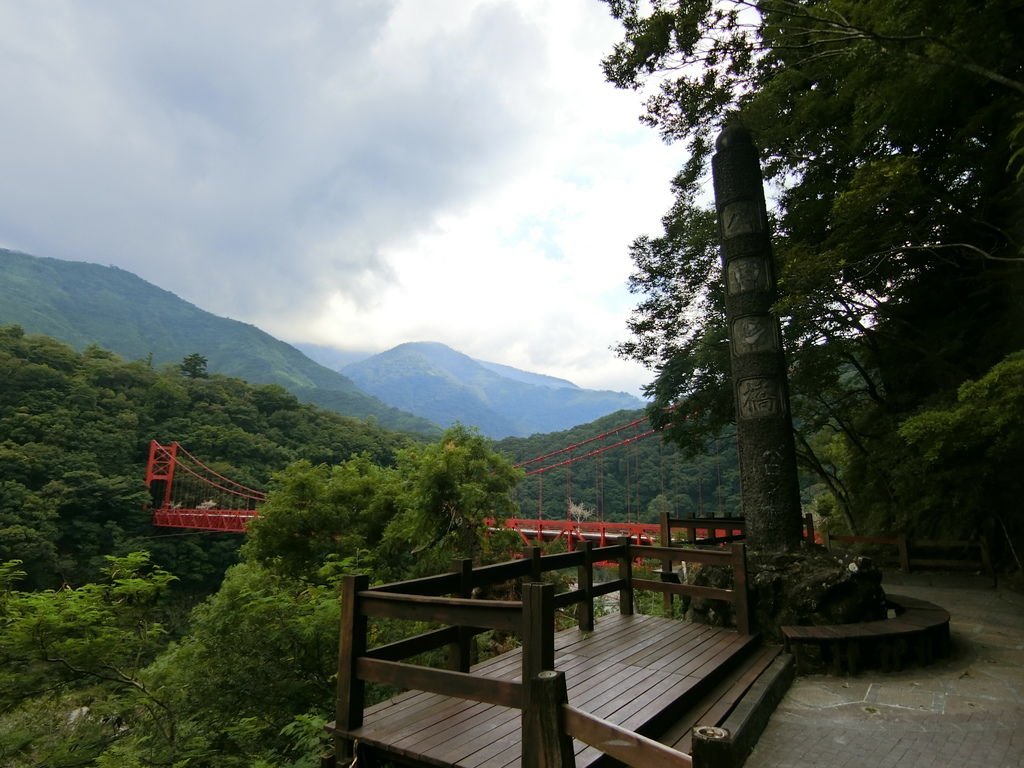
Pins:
<point x="74" y="435"/>
<point x="315" y="512"/>
<point x="448" y="492"/>
<point x="972" y="451"/>
<point x="71" y="662"/>
<point x="194" y="366"/>
<point x="255" y="669"/>
<point x="886" y="133"/>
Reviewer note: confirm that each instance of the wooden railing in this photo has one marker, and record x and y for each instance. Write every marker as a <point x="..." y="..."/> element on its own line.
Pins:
<point x="446" y="599"/>
<point x="734" y="558"/>
<point x="921" y="553"/>
<point x="733" y="529"/>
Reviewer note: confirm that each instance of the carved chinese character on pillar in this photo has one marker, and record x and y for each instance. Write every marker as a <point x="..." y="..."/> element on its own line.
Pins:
<point x="746" y="274"/>
<point x="753" y="333"/>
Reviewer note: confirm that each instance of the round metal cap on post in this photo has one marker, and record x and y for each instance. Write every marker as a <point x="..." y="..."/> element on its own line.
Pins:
<point x="711" y="747"/>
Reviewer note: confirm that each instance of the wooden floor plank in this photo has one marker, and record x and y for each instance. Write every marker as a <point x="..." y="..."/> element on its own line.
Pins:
<point x="629" y="671"/>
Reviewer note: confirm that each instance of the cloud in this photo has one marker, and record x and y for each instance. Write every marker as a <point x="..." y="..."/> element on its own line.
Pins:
<point x="358" y="174"/>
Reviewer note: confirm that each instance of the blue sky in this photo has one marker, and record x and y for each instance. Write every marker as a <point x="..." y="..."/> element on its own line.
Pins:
<point x="352" y="174"/>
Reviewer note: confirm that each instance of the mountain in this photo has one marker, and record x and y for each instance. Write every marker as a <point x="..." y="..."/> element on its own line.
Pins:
<point x="525" y="376"/>
<point x="438" y="383"/>
<point x="331" y="357"/>
<point x="82" y="304"/>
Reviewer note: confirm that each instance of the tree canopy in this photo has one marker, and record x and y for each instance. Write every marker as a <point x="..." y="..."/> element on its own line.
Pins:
<point x="887" y="136"/>
<point x="74" y="434"/>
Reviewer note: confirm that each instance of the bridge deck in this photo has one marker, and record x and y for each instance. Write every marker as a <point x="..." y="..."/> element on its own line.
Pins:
<point x="638" y="672"/>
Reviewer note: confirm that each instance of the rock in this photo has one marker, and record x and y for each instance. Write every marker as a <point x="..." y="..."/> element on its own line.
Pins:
<point x="810" y="586"/>
<point x="813" y="587"/>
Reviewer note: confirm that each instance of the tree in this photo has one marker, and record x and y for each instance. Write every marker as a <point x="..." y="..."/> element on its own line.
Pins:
<point x="257" y="663"/>
<point x="194" y="366"/>
<point x="314" y="513"/>
<point x="449" y="491"/>
<point x="886" y="135"/>
<point x="972" y="451"/>
<point x="80" y="651"/>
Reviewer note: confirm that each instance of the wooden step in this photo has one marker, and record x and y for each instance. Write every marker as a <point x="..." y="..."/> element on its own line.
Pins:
<point x="717" y="703"/>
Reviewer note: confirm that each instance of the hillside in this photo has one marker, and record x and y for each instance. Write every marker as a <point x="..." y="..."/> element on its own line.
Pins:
<point x="635" y="481"/>
<point x="446" y="386"/>
<point x="87" y="304"/>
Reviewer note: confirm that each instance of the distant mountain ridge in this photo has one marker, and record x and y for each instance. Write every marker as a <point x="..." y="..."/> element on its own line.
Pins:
<point x="82" y="304"/>
<point x="437" y="382"/>
<point x="416" y="387"/>
<point x="526" y="377"/>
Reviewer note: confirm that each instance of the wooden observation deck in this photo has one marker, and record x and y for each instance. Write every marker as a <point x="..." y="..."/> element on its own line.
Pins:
<point x="629" y="689"/>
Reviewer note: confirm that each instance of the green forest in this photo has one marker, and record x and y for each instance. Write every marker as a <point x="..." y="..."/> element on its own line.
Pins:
<point x="634" y="482"/>
<point x="892" y="137"/>
<point x="122" y="644"/>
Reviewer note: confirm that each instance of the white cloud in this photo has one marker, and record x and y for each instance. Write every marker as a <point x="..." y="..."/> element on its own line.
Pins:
<point x="356" y="174"/>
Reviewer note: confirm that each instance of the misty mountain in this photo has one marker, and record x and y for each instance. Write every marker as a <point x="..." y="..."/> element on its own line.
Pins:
<point x="438" y="383"/>
<point x="82" y="304"/>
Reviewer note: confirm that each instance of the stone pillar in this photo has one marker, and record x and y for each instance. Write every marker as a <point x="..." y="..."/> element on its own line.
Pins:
<point x="768" y="478"/>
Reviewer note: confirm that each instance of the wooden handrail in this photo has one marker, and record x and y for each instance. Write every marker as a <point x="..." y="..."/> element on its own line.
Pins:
<point x="446" y="682"/>
<point x="458" y="611"/>
<point x="684" y="554"/>
<point x="532" y="619"/>
<point x="689" y="590"/>
<point x="624" y="745"/>
<point x="735" y="558"/>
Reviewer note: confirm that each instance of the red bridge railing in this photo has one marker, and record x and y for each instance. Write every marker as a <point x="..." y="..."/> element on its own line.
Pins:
<point x="186" y="493"/>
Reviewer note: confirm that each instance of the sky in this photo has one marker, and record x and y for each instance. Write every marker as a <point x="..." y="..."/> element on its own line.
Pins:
<point x="354" y="174"/>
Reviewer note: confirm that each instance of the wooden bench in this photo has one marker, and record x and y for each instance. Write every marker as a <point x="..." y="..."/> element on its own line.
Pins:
<point x="919" y="629"/>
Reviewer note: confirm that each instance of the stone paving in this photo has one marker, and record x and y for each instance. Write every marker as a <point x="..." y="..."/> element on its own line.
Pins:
<point x="967" y="710"/>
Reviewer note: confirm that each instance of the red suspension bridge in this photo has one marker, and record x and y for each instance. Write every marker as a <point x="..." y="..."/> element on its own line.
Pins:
<point x="186" y="493"/>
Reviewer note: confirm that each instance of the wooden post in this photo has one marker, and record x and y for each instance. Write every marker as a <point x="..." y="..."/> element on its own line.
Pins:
<point x="826" y="540"/>
<point x="740" y="595"/>
<point x="546" y="744"/>
<point x="538" y="629"/>
<point x="585" y="577"/>
<point x="666" y="564"/>
<point x="901" y="542"/>
<point x="809" y="527"/>
<point x="712" y="747"/>
<point x="626" y="574"/>
<point x="536" y="570"/>
<point x="460" y="652"/>
<point x="352" y="645"/>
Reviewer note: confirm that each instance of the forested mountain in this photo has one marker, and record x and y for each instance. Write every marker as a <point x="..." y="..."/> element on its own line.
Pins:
<point x="102" y="662"/>
<point x="74" y="435"/>
<point x="445" y="386"/>
<point x="83" y="304"/>
<point x="633" y="482"/>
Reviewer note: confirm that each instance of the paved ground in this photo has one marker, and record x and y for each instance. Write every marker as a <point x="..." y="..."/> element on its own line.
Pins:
<point x="965" y="711"/>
